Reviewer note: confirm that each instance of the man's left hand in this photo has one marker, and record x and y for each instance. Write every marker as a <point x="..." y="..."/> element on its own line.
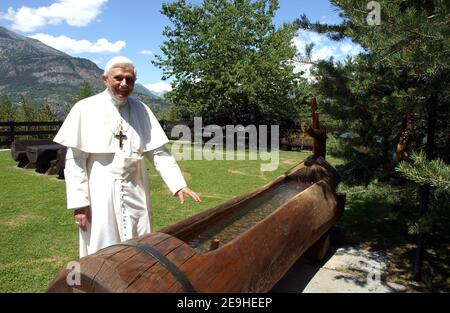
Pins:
<point x="186" y="191"/>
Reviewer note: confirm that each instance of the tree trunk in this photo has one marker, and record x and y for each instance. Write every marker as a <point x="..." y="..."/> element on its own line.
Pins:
<point x="425" y="190"/>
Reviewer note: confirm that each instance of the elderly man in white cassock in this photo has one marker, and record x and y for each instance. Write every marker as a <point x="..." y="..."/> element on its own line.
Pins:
<point x="108" y="137"/>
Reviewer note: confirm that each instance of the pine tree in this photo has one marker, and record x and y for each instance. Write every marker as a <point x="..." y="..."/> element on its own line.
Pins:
<point x="421" y="171"/>
<point x="410" y="42"/>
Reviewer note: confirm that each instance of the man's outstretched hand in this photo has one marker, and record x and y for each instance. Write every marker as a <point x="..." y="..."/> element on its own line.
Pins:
<point x="186" y="191"/>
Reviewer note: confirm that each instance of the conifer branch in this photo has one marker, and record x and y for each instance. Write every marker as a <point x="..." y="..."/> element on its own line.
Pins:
<point x="420" y="170"/>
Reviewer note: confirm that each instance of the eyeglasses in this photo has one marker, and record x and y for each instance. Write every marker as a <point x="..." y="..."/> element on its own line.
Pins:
<point x="129" y="80"/>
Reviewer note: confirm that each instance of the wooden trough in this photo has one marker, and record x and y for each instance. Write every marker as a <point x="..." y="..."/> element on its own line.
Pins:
<point x="58" y="165"/>
<point x="259" y="235"/>
<point x="19" y="149"/>
<point x="43" y="155"/>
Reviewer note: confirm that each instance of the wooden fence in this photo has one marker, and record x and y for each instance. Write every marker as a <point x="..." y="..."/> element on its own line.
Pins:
<point x="10" y="131"/>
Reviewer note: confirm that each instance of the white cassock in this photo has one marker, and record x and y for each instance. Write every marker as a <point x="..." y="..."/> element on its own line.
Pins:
<point x="110" y="179"/>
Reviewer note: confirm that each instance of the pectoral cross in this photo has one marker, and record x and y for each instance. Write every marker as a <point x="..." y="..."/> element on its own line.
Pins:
<point x="121" y="136"/>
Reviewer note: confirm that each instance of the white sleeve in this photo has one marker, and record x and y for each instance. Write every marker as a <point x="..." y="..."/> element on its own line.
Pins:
<point x="77" y="188"/>
<point x="167" y="167"/>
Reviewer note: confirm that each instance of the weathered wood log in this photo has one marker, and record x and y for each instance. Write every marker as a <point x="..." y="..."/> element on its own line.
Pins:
<point x="62" y="162"/>
<point x="57" y="166"/>
<point x="42" y="155"/>
<point x="19" y="149"/>
<point x="316" y="131"/>
<point x="296" y="144"/>
<point x="251" y="260"/>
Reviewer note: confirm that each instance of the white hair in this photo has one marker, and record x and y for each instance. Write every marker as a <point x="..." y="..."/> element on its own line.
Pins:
<point x="119" y="62"/>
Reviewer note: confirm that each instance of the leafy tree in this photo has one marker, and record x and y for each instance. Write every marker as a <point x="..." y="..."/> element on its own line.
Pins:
<point x="45" y="113"/>
<point x="27" y="111"/>
<point x="7" y="109"/>
<point x="229" y="62"/>
<point x="85" y="91"/>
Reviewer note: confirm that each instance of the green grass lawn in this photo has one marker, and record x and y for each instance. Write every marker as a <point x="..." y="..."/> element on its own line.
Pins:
<point x="38" y="236"/>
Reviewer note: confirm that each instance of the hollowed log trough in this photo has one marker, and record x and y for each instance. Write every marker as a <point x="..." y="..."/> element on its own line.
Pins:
<point x="42" y="155"/>
<point x="19" y="149"/>
<point x="251" y="259"/>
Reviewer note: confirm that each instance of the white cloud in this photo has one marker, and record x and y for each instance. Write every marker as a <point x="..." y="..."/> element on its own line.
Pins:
<point x="73" y="46"/>
<point x="73" y="12"/>
<point x="305" y="68"/>
<point x="324" y="48"/>
<point x="146" y="52"/>
<point x="350" y="49"/>
<point x="324" y="53"/>
<point x="309" y="36"/>
<point x="159" y="87"/>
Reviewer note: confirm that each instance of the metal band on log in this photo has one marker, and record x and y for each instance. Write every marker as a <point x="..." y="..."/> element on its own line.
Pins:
<point x="175" y="271"/>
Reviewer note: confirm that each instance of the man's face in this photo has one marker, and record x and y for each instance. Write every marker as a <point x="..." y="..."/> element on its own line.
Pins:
<point x="120" y="82"/>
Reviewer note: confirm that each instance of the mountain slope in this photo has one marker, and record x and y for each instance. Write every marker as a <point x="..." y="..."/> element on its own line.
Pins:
<point x="33" y="69"/>
<point x="41" y="73"/>
<point x="139" y="88"/>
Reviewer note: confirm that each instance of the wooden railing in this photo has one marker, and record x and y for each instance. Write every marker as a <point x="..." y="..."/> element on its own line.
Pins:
<point x="10" y="131"/>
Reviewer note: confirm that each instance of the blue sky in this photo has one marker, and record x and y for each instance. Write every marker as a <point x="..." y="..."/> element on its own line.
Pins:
<point x="100" y="29"/>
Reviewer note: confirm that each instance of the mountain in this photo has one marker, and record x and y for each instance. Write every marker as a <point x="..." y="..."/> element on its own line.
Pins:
<point x="160" y="94"/>
<point x="43" y="74"/>
<point x="30" y="68"/>
<point x="141" y="89"/>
